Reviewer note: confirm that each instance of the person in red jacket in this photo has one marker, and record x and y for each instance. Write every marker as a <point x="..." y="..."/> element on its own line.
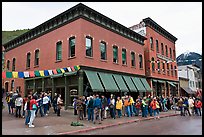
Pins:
<point x="32" y="110"/>
<point x="198" y="105"/>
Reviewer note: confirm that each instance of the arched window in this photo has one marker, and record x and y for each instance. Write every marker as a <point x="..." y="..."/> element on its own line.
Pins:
<point x="166" y="50"/>
<point x="175" y="71"/>
<point x="28" y="60"/>
<point x="163" y="66"/>
<point x="36" y="57"/>
<point x="158" y="66"/>
<point x="170" y="52"/>
<point x="153" y="67"/>
<point x="157" y="46"/>
<point x="14" y="64"/>
<point x="140" y="62"/>
<point x="151" y="43"/>
<point x="162" y="48"/>
<point x="124" y="58"/>
<point x="172" y="71"/>
<point x="8" y="64"/>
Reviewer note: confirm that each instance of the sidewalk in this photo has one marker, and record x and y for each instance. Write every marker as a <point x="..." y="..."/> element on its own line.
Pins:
<point x="52" y="124"/>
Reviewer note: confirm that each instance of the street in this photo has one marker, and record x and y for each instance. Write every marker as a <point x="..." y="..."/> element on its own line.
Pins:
<point x="165" y="126"/>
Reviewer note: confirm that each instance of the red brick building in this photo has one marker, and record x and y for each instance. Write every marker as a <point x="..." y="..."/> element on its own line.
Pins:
<point x="110" y="56"/>
<point x="160" y="57"/>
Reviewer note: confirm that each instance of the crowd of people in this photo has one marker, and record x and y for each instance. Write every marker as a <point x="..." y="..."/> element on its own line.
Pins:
<point x="99" y="108"/>
<point x="96" y="108"/>
<point x="32" y="104"/>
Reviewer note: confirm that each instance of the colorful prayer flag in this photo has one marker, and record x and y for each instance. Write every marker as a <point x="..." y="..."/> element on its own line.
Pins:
<point x="41" y="73"/>
<point x="37" y="74"/>
<point x="76" y="68"/>
<point x="8" y="74"/>
<point x="59" y="71"/>
<point x="3" y="74"/>
<point x="62" y="70"/>
<point x="69" y="69"/>
<point x="50" y="72"/>
<point x="15" y="74"/>
<point x="54" y="71"/>
<point x="32" y="74"/>
<point x="46" y="72"/>
<point x="20" y="74"/>
<point x="26" y="74"/>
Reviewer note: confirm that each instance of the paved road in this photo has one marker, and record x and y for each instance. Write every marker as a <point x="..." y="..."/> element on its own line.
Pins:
<point x="165" y="126"/>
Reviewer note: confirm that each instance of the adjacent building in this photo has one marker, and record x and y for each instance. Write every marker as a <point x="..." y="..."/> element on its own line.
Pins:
<point x="160" y="57"/>
<point x="193" y="73"/>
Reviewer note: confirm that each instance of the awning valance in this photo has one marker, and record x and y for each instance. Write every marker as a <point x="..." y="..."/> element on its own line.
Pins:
<point x="138" y="84"/>
<point x="130" y="83"/>
<point x="146" y="85"/>
<point x="120" y="82"/>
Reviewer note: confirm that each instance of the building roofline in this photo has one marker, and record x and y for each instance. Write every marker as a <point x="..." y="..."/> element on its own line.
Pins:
<point x="78" y="11"/>
<point x="152" y="24"/>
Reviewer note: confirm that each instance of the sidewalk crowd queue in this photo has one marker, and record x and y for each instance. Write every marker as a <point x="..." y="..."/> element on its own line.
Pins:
<point x="96" y="108"/>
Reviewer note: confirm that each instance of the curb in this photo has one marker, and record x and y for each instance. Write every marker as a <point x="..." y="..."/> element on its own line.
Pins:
<point x="115" y="124"/>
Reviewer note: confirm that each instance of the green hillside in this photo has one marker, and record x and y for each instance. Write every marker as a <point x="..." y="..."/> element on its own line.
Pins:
<point x="9" y="35"/>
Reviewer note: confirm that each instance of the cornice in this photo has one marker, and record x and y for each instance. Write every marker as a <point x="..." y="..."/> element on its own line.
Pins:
<point x="72" y="14"/>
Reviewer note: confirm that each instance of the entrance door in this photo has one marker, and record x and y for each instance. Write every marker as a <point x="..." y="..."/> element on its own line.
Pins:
<point x="6" y="87"/>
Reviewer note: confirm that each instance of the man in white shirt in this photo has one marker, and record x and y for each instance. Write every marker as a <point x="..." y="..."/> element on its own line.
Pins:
<point x="18" y="104"/>
<point x="45" y="103"/>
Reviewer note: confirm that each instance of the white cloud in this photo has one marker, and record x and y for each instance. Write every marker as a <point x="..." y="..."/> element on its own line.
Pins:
<point x="182" y="19"/>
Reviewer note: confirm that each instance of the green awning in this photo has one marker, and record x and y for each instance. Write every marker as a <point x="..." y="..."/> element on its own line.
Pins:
<point x="121" y="84"/>
<point x="161" y="81"/>
<point x="171" y="84"/>
<point x="138" y="84"/>
<point x="94" y="81"/>
<point x="146" y="85"/>
<point x="130" y="83"/>
<point x="154" y="80"/>
<point x="70" y="73"/>
<point x="108" y="82"/>
<point x="57" y="75"/>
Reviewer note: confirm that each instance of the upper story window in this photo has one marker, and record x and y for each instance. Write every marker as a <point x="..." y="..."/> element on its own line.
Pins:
<point x="12" y="85"/>
<point x="59" y="51"/>
<point x="158" y="66"/>
<point x="28" y="60"/>
<point x="151" y="43"/>
<point x="170" y="52"/>
<point x="37" y="57"/>
<point x="103" y="50"/>
<point x="157" y="46"/>
<point x="124" y="59"/>
<point x="174" y="54"/>
<point x="140" y="62"/>
<point x="8" y="64"/>
<point x="153" y="67"/>
<point x="133" y="59"/>
<point x="168" y="71"/>
<point x="162" y="48"/>
<point x="163" y="67"/>
<point x="14" y="64"/>
<point x="89" y="46"/>
<point x="72" y="47"/>
<point x="166" y="50"/>
<point x="175" y="71"/>
<point x="115" y="54"/>
<point x="172" y="71"/>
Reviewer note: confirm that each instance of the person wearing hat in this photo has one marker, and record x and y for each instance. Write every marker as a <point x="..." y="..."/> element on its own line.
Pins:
<point x="155" y="107"/>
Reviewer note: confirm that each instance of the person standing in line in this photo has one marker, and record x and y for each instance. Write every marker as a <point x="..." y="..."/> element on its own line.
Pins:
<point x="54" y="103"/>
<point x="79" y="106"/>
<point x="191" y="105"/>
<point x="144" y="107"/>
<point x="90" y="109"/>
<point x="104" y="107"/>
<point x="186" y="106"/>
<point x="25" y="99"/>
<point x="112" y="106"/>
<point x="18" y="104"/>
<point x="8" y="100"/>
<point x="131" y="105"/>
<point x="198" y="105"/>
<point x="180" y="105"/>
<point x="32" y="110"/>
<point x="97" y="109"/>
<point x="155" y="107"/>
<point x="137" y="106"/>
<point x="27" y="109"/>
<point x="119" y="105"/>
<point x="45" y="103"/>
<point x="40" y="105"/>
<point x="75" y="106"/>
<point x="59" y="105"/>
<point x="127" y="106"/>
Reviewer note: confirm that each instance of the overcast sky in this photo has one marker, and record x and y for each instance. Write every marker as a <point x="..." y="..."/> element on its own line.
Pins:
<point x="181" y="19"/>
